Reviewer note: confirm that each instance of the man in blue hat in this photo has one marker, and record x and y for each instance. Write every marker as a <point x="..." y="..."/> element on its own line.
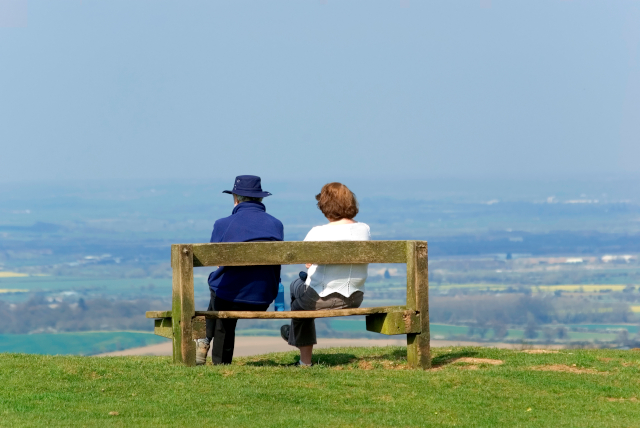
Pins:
<point x="240" y="288"/>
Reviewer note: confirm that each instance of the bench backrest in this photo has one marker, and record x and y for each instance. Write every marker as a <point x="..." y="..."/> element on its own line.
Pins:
<point x="288" y="253"/>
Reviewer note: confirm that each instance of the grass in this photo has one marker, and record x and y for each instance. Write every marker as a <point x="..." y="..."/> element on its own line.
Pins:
<point x="348" y="387"/>
<point x="80" y="343"/>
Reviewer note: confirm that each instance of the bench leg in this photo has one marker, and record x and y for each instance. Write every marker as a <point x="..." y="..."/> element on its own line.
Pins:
<point x="183" y="306"/>
<point x="418" y="351"/>
<point x="418" y="344"/>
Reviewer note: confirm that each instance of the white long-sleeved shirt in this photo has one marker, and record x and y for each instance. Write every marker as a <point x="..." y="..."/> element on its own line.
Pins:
<point x="344" y="278"/>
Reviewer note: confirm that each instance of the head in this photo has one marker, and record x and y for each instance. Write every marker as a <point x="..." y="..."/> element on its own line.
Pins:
<point x="247" y="188"/>
<point x="238" y="199"/>
<point x="337" y="202"/>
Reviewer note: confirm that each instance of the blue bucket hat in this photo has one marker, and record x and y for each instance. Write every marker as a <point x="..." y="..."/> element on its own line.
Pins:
<point x="248" y="185"/>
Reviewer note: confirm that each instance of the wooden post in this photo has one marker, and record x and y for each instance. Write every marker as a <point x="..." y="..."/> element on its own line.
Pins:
<point x="183" y="306"/>
<point x="418" y="346"/>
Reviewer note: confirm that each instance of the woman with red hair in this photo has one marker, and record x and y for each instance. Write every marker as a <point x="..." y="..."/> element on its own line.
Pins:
<point x="338" y="286"/>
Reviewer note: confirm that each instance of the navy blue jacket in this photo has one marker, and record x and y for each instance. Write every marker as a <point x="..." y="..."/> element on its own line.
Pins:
<point x="247" y="284"/>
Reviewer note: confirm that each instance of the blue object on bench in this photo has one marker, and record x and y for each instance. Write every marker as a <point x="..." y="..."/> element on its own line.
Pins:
<point x="279" y="304"/>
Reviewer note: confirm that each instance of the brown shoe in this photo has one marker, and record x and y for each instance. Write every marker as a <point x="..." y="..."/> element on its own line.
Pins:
<point x="202" y="349"/>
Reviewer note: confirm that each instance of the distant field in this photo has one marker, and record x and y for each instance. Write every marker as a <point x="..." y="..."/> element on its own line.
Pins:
<point x="123" y="287"/>
<point x="632" y="329"/>
<point x="85" y="343"/>
<point x="590" y="288"/>
<point x="581" y="288"/>
<point x="12" y="274"/>
<point x="89" y="343"/>
<point x="258" y="332"/>
<point x="443" y="331"/>
<point x="161" y="287"/>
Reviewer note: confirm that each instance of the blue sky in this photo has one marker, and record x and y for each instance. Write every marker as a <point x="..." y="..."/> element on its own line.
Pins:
<point x="330" y="90"/>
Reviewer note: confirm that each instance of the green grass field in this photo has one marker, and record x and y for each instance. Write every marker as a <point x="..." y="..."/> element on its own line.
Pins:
<point x="348" y="387"/>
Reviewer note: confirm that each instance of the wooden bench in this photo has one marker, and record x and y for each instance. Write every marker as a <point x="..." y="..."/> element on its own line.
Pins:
<point x="183" y="323"/>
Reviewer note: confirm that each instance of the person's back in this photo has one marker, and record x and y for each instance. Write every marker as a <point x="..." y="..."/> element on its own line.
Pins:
<point x="336" y="286"/>
<point x="240" y="288"/>
<point x="249" y="222"/>
<point x="338" y="278"/>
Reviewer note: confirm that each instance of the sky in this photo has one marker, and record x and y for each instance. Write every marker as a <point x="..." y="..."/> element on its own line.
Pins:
<point x="321" y="89"/>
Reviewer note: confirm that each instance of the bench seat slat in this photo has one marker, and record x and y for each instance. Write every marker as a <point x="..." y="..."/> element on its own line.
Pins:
<point x="300" y="314"/>
<point x="287" y="314"/>
<point x="158" y="314"/>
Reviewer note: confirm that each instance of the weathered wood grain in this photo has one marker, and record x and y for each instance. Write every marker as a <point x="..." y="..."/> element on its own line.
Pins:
<point x="300" y="314"/>
<point x="394" y="323"/>
<point x="158" y="314"/>
<point x="418" y="346"/>
<point x="183" y="307"/>
<point x="282" y="253"/>
<point x="163" y="327"/>
<point x="198" y="328"/>
<point x="287" y="314"/>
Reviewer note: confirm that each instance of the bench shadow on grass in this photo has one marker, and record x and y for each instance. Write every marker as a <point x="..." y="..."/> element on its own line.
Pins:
<point x="398" y="356"/>
<point x="449" y="357"/>
<point x="338" y="359"/>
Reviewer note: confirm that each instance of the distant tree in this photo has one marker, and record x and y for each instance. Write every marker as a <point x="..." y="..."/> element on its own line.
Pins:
<point x="562" y="333"/>
<point x="482" y="331"/>
<point x="500" y="331"/>
<point x="531" y="330"/>
<point x="387" y="275"/>
<point x="623" y="337"/>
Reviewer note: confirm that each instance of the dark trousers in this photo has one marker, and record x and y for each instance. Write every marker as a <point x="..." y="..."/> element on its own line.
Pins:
<point x="303" y="330"/>
<point x="223" y="331"/>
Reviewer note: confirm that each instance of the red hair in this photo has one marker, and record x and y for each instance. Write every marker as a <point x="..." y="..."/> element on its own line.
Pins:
<point x="336" y="202"/>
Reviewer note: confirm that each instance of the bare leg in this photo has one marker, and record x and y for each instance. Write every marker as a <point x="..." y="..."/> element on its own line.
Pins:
<point x="305" y="354"/>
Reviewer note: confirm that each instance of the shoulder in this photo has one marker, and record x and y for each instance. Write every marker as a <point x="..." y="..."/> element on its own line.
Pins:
<point x="315" y="233"/>
<point x="271" y="219"/>
<point x="361" y="231"/>
<point x="362" y="226"/>
<point x="277" y="224"/>
<point x="264" y="222"/>
<point x="220" y="228"/>
<point x="221" y="222"/>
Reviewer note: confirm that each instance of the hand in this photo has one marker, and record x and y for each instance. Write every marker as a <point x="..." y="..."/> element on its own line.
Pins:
<point x="308" y="265"/>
